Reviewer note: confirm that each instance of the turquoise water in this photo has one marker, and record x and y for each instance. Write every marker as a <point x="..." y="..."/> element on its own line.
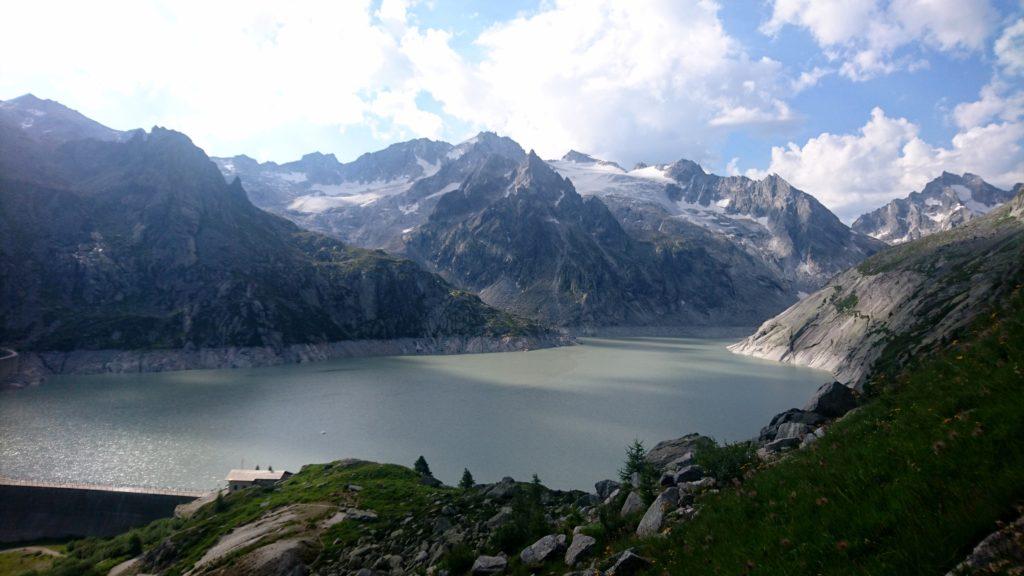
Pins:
<point x="565" y="414"/>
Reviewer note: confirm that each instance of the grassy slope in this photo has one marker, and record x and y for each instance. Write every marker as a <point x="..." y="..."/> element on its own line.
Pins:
<point x="390" y="490"/>
<point x="908" y="484"/>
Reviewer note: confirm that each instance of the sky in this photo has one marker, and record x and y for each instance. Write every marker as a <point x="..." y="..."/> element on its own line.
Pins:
<point x="854" y="101"/>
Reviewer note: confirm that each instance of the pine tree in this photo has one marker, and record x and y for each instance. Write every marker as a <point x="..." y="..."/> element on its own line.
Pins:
<point x="638" y="472"/>
<point x="467" y="481"/>
<point x="422" y="467"/>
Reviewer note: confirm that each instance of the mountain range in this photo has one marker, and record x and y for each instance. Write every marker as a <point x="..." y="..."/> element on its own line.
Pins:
<point x="681" y="246"/>
<point x="118" y="239"/>
<point x="134" y="240"/>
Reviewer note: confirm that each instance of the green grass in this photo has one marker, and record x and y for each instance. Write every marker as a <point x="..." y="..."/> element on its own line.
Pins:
<point x="908" y="484"/>
<point x="390" y="490"/>
<point x="20" y="562"/>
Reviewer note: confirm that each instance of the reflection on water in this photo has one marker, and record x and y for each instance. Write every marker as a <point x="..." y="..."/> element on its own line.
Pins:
<point x="564" y="413"/>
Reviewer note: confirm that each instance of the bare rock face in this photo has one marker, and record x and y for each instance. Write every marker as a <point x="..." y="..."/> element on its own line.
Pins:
<point x="918" y="291"/>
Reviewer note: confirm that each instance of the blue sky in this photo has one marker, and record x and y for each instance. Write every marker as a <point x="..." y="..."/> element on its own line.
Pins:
<point x="855" y="101"/>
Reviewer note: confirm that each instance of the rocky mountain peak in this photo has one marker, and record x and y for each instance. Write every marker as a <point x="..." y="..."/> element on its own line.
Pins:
<point x="536" y="175"/>
<point x="684" y="169"/>
<point x="580" y="157"/>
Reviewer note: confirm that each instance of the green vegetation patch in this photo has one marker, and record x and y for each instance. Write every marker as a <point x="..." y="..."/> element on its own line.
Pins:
<point x="908" y="484"/>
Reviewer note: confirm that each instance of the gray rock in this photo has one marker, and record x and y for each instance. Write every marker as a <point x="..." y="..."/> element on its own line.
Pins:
<point x="689" y="473"/>
<point x="792" y="430"/>
<point x="500" y="519"/>
<point x="651" y="523"/>
<point x="682" y="461"/>
<point x="634" y="504"/>
<point x="665" y="452"/>
<point x="581" y="546"/>
<point x="543" y="549"/>
<point x="611" y="497"/>
<point x="793" y="415"/>
<point x="697" y="485"/>
<point x="832" y="400"/>
<point x="484" y="565"/>
<point x="782" y="444"/>
<point x="360" y="515"/>
<point x="628" y="564"/>
<point x="502" y="490"/>
<point x="604" y="488"/>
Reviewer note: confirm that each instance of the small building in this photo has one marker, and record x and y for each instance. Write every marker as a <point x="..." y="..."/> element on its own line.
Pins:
<point x="238" y="479"/>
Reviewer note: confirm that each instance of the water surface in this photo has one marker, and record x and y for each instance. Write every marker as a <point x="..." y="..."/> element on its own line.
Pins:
<point x="565" y="413"/>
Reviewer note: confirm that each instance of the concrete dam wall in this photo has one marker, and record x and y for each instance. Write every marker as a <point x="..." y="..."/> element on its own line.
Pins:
<point x="39" y="511"/>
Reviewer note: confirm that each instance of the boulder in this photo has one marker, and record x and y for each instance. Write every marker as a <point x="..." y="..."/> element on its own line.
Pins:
<point x="606" y="487"/>
<point x="484" y="565"/>
<point x="668" y="479"/>
<point x="628" y="564"/>
<point x="634" y="504"/>
<point x="776" y="446"/>
<point x="542" y="550"/>
<point x="793" y="415"/>
<point x="504" y="516"/>
<point x="832" y="400"/>
<point x="792" y="430"/>
<point x="665" y="452"/>
<point x="689" y="473"/>
<point x="502" y="490"/>
<point x="651" y="523"/>
<point x="581" y="546"/>
<point x="696" y="486"/>
<point x="682" y="461"/>
<point x="611" y="497"/>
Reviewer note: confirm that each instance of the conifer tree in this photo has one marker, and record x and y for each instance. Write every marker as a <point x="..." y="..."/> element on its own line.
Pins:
<point x="467" y="481"/>
<point x="422" y="467"/>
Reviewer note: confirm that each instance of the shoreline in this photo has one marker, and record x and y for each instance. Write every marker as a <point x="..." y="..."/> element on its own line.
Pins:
<point x="34" y="367"/>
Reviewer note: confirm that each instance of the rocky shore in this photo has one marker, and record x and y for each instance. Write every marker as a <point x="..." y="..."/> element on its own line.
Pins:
<point x="34" y="367"/>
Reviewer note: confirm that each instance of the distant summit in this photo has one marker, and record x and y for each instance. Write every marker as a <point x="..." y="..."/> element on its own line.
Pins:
<point x="945" y="203"/>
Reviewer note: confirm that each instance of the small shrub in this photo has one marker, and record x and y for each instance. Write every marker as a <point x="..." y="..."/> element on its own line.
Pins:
<point x="727" y="461"/>
<point x="459" y="560"/>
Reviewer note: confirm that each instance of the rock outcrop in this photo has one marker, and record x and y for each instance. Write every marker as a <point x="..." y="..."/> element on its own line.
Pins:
<point x="915" y="294"/>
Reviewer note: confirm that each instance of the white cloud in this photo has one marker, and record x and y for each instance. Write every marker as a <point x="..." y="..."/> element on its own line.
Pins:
<point x="652" y="80"/>
<point x="1009" y="48"/>
<point x="997" y="102"/>
<point x="886" y="159"/>
<point x="874" y="37"/>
